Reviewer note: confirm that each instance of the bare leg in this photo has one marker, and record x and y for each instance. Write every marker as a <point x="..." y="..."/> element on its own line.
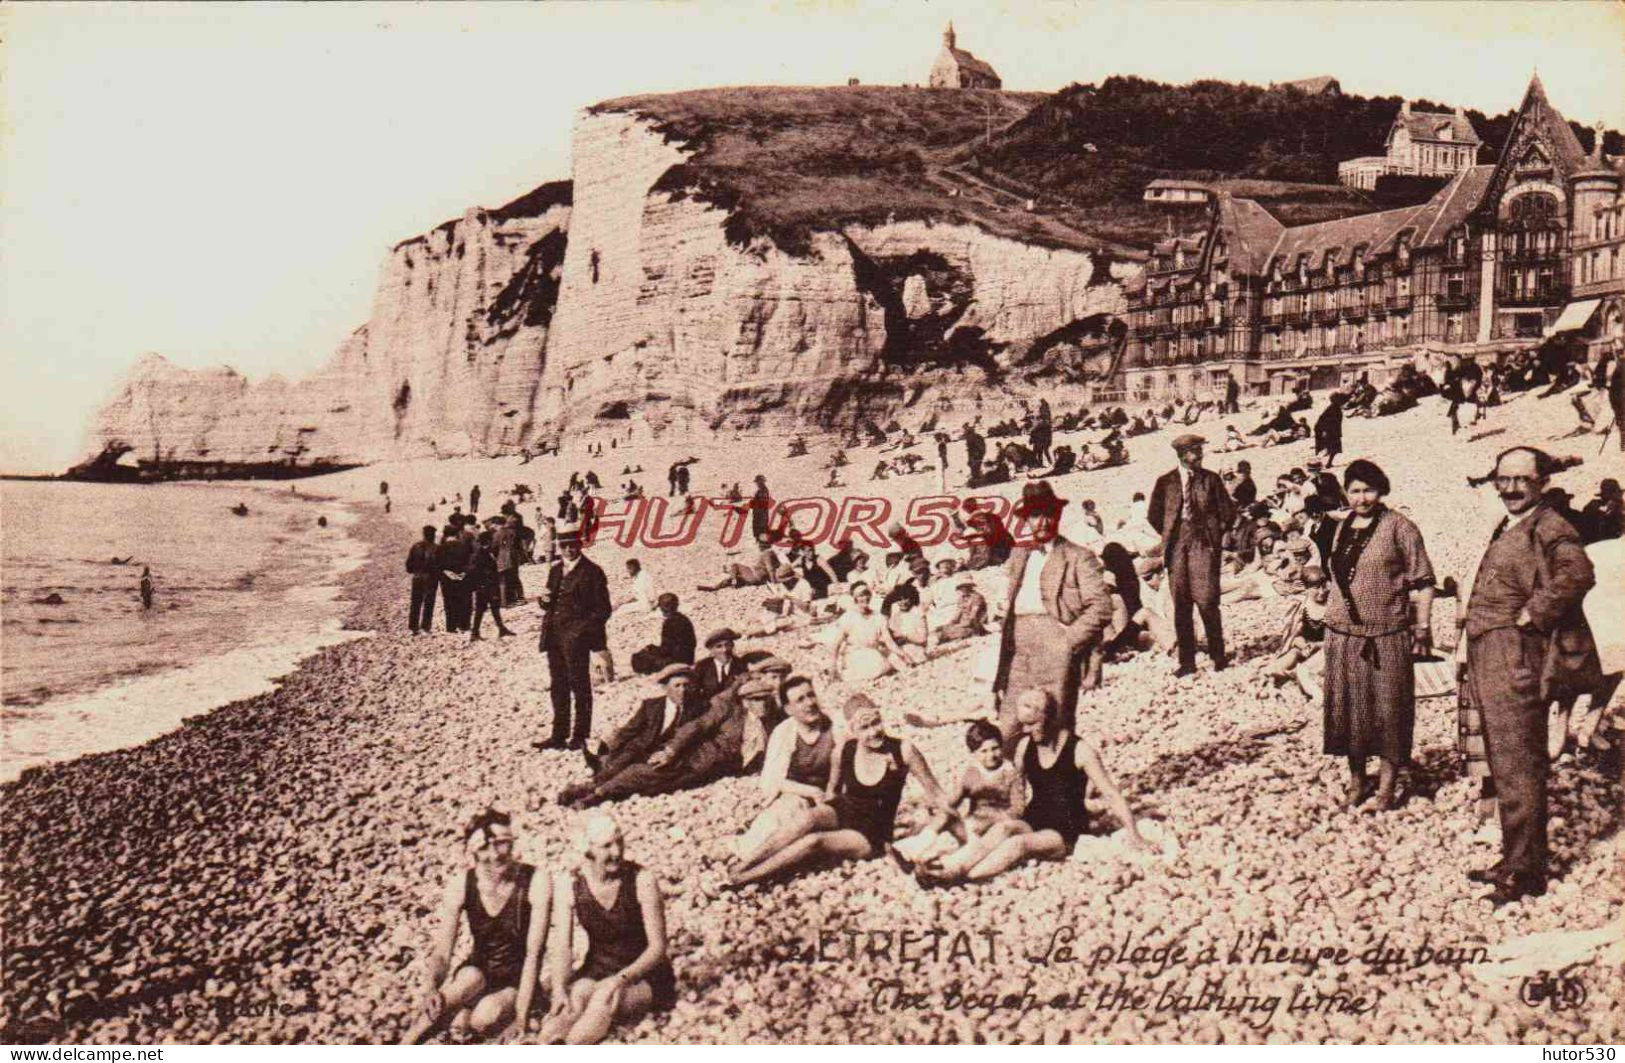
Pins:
<point x="1036" y="845"/>
<point x="607" y="1006"/>
<point x="555" y="1030"/>
<point x="958" y="863"/>
<point x="815" y="848"/>
<point x="817" y="818"/>
<point x="1307" y="682"/>
<point x="464" y="985"/>
<point x="494" y="1011"/>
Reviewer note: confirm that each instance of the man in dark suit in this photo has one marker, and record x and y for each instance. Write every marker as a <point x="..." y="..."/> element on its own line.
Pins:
<point x="451" y="559"/>
<point x="1055" y="611"/>
<point x="420" y="563"/>
<point x="676" y="631"/>
<point x="1191" y="509"/>
<point x="1526" y="644"/>
<point x="575" y="608"/>
<point x="1244" y="492"/>
<point x="648" y="730"/>
<point x="711" y="676"/>
<point x="728" y="739"/>
<point x="975" y="453"/>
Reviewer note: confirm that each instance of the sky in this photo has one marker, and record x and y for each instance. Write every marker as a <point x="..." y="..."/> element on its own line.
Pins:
<point x="219" y="183"/>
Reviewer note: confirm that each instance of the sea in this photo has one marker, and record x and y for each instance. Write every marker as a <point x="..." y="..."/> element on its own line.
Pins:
<point x="238" y="602"/>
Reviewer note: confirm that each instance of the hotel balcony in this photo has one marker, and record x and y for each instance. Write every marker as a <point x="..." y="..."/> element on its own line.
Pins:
<point x="1460" y="301"/>
<point x="1399" y="302"/>
<point x="1535" y="255"/>
<point x="1540" y="297"/>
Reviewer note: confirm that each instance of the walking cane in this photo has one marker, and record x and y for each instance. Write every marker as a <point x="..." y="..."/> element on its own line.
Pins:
<point x="1612" y="424"/>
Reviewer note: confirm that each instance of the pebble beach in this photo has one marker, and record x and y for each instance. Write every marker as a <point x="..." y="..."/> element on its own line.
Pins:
<point x="268" y="871"/>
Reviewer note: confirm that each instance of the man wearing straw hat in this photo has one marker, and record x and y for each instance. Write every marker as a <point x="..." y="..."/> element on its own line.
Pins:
<point x="649" y="730"/>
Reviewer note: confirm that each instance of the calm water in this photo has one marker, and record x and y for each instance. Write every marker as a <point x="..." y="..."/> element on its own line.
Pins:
<point x="238" y="601"/>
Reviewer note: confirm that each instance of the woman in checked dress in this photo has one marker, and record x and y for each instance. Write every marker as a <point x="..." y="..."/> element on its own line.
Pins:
<point x="1379" y="566"/>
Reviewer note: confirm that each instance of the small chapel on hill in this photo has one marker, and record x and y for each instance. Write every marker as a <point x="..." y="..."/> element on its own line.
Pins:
<point x="958" y="69"/>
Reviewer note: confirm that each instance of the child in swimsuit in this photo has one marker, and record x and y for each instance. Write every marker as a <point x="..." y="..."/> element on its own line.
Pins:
<point x="989" y="789"/>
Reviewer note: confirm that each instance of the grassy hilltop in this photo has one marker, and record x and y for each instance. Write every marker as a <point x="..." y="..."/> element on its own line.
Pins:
<point x="788" y="161"/>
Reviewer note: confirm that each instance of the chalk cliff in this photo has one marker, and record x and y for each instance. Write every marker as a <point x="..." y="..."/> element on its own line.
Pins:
<point x="448" y="363"/>
<point x="637" y="288"/>
<point x="664" y="309"/>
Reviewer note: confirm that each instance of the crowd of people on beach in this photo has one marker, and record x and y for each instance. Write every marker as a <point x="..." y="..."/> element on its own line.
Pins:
<point x="1050" y="596"/>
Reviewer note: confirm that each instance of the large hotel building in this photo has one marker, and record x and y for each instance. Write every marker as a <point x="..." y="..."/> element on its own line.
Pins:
<point x="1504" y="257"/>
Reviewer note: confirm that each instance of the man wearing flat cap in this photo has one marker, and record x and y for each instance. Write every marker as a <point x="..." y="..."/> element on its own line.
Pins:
<point x="1058" y="606"/>
<point x="711" y="676"/>
<point x="575" y="608"/>
<point x="729" y="738"/>
<point x="1191" y="510"/>
<point x="654" y="724"/>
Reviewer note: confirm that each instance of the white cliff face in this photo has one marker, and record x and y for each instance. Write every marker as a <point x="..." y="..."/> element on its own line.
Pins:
<point x="1017" y="293"/>
<point x="659" y="312"/>
<point x="458" y="336"/>
<point x="448" y="364"/>
<point x="496" y="330"/>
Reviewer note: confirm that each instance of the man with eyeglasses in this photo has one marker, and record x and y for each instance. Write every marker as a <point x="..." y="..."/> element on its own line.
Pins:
<point x="1526" y="644"/>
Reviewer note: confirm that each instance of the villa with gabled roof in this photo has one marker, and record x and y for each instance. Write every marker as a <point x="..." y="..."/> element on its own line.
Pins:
<point x="1503" y="257"/>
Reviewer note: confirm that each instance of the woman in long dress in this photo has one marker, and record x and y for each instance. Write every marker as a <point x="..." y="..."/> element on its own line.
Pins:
<point x="1379" y="565"/>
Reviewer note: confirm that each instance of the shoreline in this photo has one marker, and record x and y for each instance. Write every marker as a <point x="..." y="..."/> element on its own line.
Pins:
<point x="290" y="847"/>
<point x="125" y="708"/>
